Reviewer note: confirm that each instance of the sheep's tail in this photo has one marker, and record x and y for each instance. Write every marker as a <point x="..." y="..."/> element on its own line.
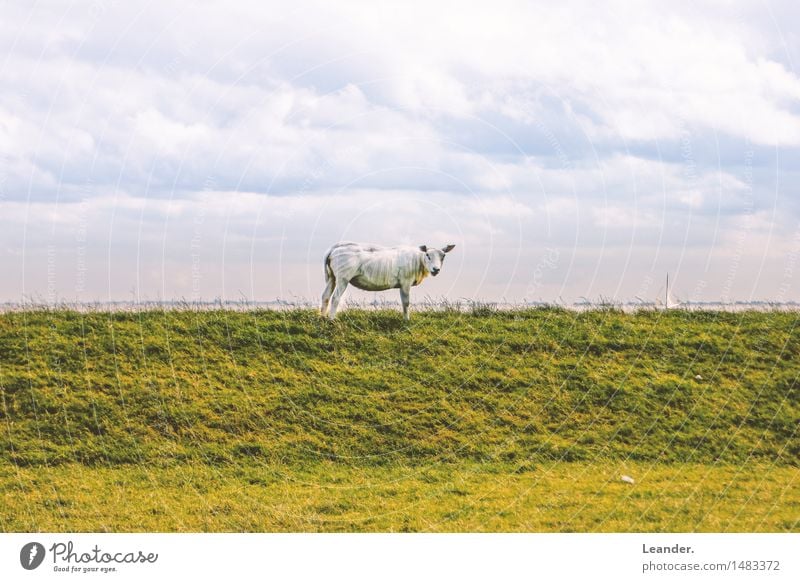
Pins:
<point x="327" y="265"/>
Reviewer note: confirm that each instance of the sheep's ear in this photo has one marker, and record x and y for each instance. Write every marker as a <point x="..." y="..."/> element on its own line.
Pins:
<point x="423" y="248"/>
<point x="449" y="248"/>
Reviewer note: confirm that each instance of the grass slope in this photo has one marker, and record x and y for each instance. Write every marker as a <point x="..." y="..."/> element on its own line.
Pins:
<point x="125" y="399"/>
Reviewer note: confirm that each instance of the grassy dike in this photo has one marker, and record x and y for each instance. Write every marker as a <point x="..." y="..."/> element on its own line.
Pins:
<point x="190" y="420"/>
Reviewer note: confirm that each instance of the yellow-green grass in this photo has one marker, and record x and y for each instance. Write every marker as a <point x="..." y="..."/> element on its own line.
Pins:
<point x="191" y="420"/>
<point x="258" y="497"/>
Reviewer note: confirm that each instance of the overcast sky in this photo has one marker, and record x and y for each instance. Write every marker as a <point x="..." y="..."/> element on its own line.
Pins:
<point x="206" y="150"/>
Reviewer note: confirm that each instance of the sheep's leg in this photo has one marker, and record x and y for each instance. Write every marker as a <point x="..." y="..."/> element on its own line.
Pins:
<point x="341" y="287"/>
<point x="330" y="284"/>
<point x="405" y="298"/>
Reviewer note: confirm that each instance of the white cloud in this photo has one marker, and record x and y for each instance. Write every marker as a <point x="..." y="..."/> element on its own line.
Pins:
<point x="522" y="124"/>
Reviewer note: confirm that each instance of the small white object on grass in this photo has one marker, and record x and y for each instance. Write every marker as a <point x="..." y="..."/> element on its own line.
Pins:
<point x="698" y="377"/>
<point x="627" y="479"/>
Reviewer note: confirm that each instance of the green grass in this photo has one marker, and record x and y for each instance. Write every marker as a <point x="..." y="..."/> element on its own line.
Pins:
<point x="259" y="496"/>
<point x="487" y="420"/>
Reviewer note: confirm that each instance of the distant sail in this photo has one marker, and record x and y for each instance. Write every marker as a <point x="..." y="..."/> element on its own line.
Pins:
<point x="669" y="301"/>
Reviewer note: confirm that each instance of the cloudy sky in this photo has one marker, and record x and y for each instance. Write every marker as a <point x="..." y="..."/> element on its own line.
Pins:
<point x="206" y="150"/>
